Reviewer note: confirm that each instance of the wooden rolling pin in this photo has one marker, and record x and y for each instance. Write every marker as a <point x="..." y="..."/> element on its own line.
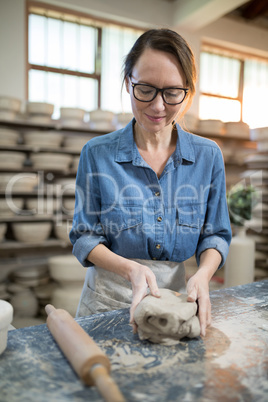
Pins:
<point x="86" y="358"/>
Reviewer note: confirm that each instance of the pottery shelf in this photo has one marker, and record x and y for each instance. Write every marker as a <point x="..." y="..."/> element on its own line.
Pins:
<point x="27" y="148"/>
<point x="36" y="218"/>
<point x="16" y="245"/>
<point x="54" y="125"/>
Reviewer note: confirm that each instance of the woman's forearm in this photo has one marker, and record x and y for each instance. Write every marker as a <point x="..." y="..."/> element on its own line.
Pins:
<point x="210" y="260"/>
<point x="106" y="259"/>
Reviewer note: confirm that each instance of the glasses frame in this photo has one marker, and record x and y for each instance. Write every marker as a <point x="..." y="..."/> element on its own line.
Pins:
<point x="161" y="90"/>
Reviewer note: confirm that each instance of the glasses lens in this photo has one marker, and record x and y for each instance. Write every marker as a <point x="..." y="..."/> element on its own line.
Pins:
<point x="144" y="92"/>
<point x="174" y="95"/>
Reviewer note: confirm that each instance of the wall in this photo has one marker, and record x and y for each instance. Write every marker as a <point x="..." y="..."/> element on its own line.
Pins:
<point x="146" y="13"/>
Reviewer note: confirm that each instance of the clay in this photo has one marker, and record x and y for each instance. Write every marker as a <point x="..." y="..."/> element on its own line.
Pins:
<point x="167" y="319"/>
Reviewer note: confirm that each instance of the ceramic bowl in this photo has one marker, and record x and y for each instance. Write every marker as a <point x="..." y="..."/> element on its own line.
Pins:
<point x="12" y="160"/>
<point x="72" y="113"/>
<point x="66" y="269"/>
<point x="40" y="108"/>
<point x="62" y="230"/>
<point x="9" y="103"/>
<point x="67" y="298"/>
<point x="10" y="207"/>
<point x="6" y="317"/>
<point x="237" y="129"/>
<point x="65" y="186"/>
<point x="8" y="137"/>
<point x="50" y="161"/>
<point x="45" y="139"/>
<point x="40" y="119"/>
<point x="18" y="182"/>
<point x="3" y="229"/>
<point x="25" y="303"/>
<point x="76" y="143"/>
<point x="31" y="232"/>
<point x="68" y="205"/>
<point x="42" y="206"/>
<point x="101" y="115"/>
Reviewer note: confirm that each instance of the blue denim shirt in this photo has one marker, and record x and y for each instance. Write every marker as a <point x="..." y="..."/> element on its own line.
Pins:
<point x="120" y="201"/>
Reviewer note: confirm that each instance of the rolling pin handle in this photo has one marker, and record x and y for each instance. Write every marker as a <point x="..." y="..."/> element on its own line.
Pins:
<point x="105" y="384"/>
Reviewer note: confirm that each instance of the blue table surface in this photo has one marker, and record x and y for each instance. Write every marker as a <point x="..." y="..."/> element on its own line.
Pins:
<point x="229" y="364"/>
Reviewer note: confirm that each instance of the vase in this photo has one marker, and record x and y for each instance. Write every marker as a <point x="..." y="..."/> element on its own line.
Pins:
<point x="240" y="262"/>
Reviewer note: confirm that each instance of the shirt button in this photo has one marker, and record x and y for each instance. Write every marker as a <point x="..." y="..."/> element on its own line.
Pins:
<point x="159" y="219"/>
<point x="157" y="193"/>
<point x="158" y="246"/>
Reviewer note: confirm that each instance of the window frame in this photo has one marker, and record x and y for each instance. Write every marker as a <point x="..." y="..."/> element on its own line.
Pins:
<point x="92" y="21"/>
<point x="238" y="55"/>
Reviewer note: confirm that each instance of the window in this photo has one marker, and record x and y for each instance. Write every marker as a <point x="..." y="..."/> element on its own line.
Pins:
<point x="233" y="87"/>
<point x="75" y="60"/>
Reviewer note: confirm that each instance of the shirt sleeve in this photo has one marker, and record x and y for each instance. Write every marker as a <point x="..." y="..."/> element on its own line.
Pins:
<point x="216" y="232"/>
<point x="86" y="232"/>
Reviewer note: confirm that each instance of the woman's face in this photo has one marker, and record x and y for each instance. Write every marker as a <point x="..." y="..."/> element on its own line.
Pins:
<point x="161" y="70"/>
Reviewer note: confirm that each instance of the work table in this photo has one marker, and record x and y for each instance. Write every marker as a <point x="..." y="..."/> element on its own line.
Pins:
<point x="229" y="364"/>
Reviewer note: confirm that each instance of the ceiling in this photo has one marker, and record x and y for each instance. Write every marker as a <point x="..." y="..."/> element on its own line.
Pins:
<point x="254" y="12"/>
<point x="196" y="14"/>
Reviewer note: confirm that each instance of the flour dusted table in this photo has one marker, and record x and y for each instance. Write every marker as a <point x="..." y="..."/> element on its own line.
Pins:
<point x="229" y="364"/>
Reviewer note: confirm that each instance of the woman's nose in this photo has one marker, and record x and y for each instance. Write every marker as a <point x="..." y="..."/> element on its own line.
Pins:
<point x="158" y="102"/>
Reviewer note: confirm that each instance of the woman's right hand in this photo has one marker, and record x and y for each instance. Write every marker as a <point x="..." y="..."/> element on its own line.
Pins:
<point x="141" y="278"/>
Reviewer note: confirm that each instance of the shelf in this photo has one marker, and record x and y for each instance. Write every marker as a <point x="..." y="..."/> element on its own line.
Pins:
<point x="54" y="125"/>
<point x="16" y="245"/>
<point x="36" y="218"/>
<point x="28" y="148"/>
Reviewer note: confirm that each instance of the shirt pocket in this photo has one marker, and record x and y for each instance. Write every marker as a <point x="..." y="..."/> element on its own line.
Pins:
<point x="189" y="223"/>
<point x="120" y="218"/>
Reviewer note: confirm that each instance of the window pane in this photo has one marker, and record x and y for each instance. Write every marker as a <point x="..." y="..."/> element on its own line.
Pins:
<point x="63" y="90"/>
<point x="70" y="40"/>
<point x="217" y="108"/>
<point x="219" y="75"/>
<point x="116" y="43"/>
<point x="255" y="94"/>
<point x="87" y="49"/>
<point x="37" y="25"/>
<point x="54" y="55"/>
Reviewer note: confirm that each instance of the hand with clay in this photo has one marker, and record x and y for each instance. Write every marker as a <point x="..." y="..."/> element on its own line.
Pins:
<point x="198" y="290"/>
<point x="141" y="278"/>
<point x="198" y="286"/>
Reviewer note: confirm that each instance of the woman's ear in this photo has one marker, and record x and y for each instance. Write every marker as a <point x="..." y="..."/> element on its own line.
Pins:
<point x="127" y="83"/>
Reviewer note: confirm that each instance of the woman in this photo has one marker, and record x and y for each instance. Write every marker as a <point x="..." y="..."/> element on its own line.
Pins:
<point x="151" y="195"/>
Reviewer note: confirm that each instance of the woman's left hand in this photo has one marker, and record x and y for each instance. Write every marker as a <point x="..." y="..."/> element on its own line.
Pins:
<point x="198" y="290"/>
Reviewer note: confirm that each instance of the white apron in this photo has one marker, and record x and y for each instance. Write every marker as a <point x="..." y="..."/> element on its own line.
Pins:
<point x="105" y="291"/>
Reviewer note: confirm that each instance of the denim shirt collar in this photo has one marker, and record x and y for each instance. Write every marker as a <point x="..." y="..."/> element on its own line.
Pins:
<point x="127" y="150"/>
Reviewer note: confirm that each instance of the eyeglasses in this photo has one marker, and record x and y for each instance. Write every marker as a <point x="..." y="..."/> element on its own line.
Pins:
<point x="147" y="93"/>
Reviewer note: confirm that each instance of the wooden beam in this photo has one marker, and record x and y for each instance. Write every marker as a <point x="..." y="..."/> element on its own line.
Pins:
<point x="255" y="9"/>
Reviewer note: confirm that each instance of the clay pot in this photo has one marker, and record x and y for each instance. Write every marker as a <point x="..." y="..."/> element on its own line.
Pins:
<point x="40" y="108"/>
<point x="6" y="316"/>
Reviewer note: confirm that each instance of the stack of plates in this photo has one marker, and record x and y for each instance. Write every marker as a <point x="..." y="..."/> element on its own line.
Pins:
<point x="9" y="107"/>
<point x="51" y="161"/>
<point x="9" y="137"/>
<point x="102" y="120"/>
<point x="45" y="139"/>
<point x="39" y="112"/>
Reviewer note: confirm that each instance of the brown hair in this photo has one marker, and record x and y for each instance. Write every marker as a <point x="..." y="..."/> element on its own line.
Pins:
<point x="167" y="41"/>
